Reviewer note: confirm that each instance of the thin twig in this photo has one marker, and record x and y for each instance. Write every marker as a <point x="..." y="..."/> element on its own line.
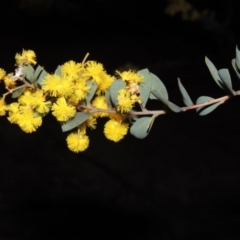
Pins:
<point x="158" y="112"/>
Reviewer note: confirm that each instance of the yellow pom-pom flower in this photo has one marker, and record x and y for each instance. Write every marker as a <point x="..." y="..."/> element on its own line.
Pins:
<point x="95" y="71"/>
<point x="91" y="122"/>
<point x="100" y="102"/>
<point x="29" y="121"/>
<point x="51" y="84"/>
<point x="26" y="98"/>
<point x="8" y="81"/>
<point x="62" y="110"/>
<point x="77" y="142"/>
<point x="3" y="107"/>
<point x="104" y="84"/>
<point x="71" y="69"/>
<point x="115" y="130"/>
<point x="35" y="100"/>
<point x="2" y="73"/>
<point x="125" y="103"/>
<point x="17" y="112"/>
<point x="27" y="57"/>
<point x="40" y="103"/>
<point x="66" y="86"/>
<point x="57" y="86"/>
<point x="130" y="76"/>
<point x="80" y="90"/>
<point x="13" y="111"/>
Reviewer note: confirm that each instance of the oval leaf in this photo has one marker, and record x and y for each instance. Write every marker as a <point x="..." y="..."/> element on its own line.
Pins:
<point x="237" y="58"/>
<point x="18" y="92"/>
<point x="226" y="79"/>
<point x="158" y="95"/>
<point x="145" y="87"/>
<point x="208" y="109"/>
<point x="213" y="71"/>
<point x="169" y="104"/>
<point x="174" y="107"/>
<point x="29" y="72"/>
<point x="79" y="118"/>
<point x="235" y="68"/>
<point x="58" y="71"/>
<point x="42" y="75"/>
<point x="186" y="98"/>
<point x="204" y="99"/>
<point x="108" y="99"/>
<point x="141" y="127"/>
<point x="158" y="84"/>
<point x="117" y="85"/>
<point x="93" y="88"/>
<point x="37" y="72"/>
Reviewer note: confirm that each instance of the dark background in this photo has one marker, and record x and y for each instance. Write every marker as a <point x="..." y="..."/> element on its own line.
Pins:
<point x="181" y="182"/>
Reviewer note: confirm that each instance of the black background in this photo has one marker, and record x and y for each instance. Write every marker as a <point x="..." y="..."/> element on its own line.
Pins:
<point x="181" y="182"/>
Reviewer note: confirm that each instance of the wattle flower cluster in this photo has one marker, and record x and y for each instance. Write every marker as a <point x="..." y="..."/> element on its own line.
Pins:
<point x="78" y="94"/>
<point x="75" y="94"/>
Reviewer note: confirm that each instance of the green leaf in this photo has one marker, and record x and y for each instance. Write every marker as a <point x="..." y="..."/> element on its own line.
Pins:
<point x="158" y="95"/>
<point x="186" y="98"/>
<point x="58" y="71"/>
<point x="158" y="84"/>
<point x="235" y="68"/>
<point x="29" y="72"/>
<point x="206" y="109"/>
<point x="108" y="99"/>
<point x="213" y="71"/>
<point x="170" y="105"/>
<point x="93" y="88"/>
<point x="42" y="75"/>
<point x="37" y="72"/>
<point x="18" y="92"/>
<point x="79" y="118"/>
<point x="141" y="127"/>
<point x="174" y="107"/>
<point x="237" y="58"/>
<point x="145" y="87"/>
<point x="117" y="85"/>
<point x="226" y="79"/>
<point x="203" y="99"/>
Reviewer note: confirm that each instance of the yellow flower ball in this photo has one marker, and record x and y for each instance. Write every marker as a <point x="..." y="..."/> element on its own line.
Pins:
<point x="3" y="107"/>
<point x="77" y="142"/>
<point x="2" y="73"/>
<point x="62" y="110"/>
<point x="95" y="71"/>
<point x="125" y="103"/>
<point x="131" y="76"/>
<point x="27" y="57"/>
<point x="100" y="102"/>
<point x="115" y="130"/>
<point x="28" y="122"/>
<point x="71" y="69"/>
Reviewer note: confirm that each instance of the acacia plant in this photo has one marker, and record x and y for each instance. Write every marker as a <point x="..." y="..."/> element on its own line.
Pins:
<point x="77" y="94"/>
